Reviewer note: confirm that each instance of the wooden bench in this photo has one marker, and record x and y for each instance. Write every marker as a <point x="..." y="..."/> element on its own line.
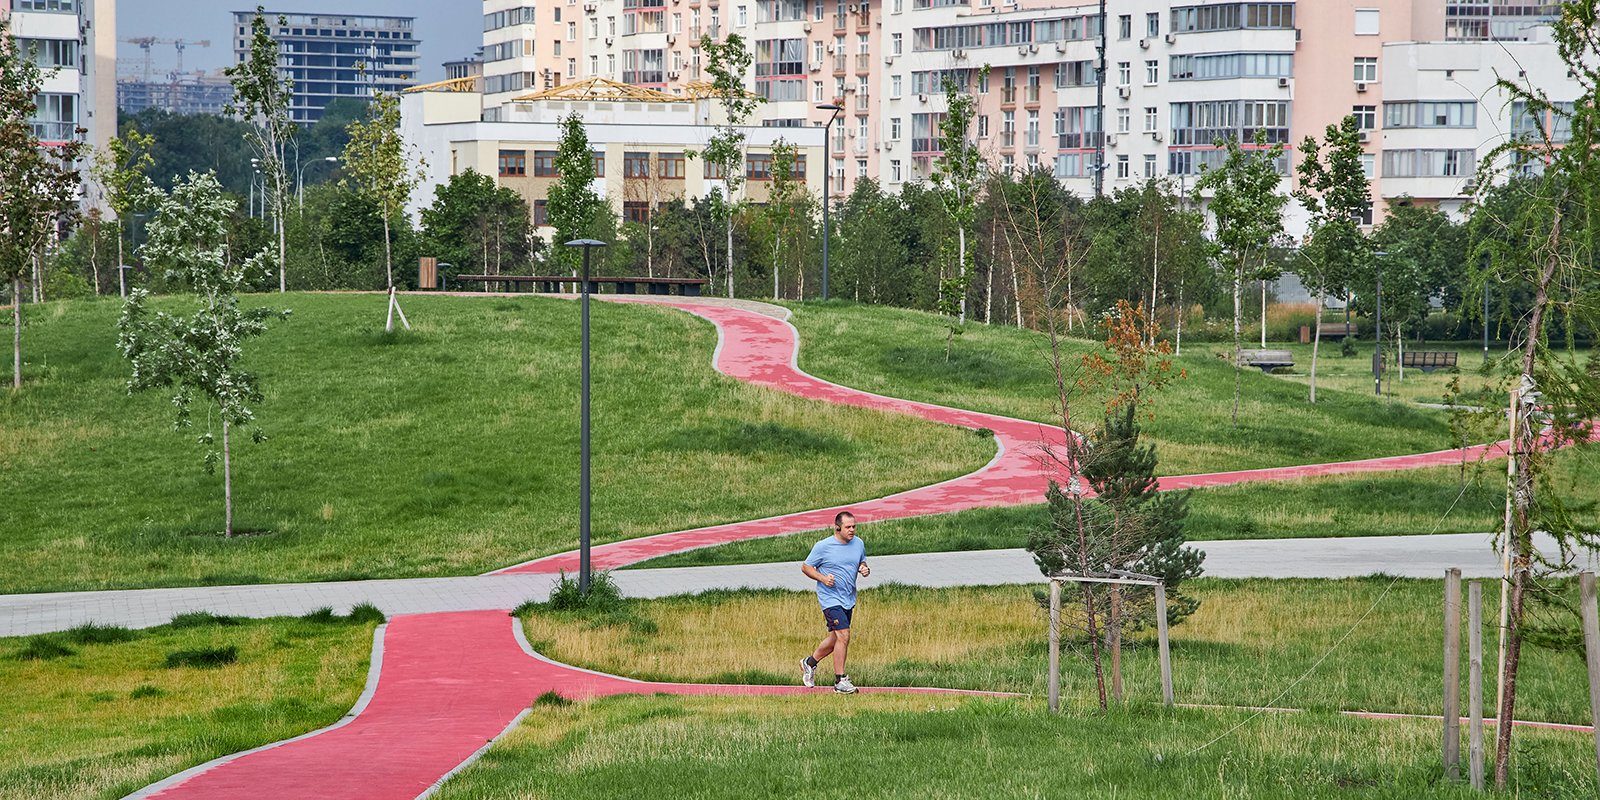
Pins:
<point x="687" y="287"/>
<point x="1429" y="360"/>
<point x="1266" y="360"/>
<point x="1330" y="330"/>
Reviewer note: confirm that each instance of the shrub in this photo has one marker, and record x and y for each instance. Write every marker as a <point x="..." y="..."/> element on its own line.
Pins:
<point x="551" y="699"/>
<point x="603" y="594"/>
<point x="44" y="648"/>
<point x="366" y="613"/>
<point x="99" y="634"/>
<point x="204" y="619"/>
<point x="203" y="658"/>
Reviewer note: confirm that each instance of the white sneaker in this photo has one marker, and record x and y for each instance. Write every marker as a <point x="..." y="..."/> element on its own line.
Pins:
<point x="844" y="686"/>
<point x="808" y="674"/>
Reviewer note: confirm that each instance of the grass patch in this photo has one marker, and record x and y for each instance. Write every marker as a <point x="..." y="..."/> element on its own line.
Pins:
<point x="43" y="648"/>
<point x="203" y="619"/>
<point x="1247" y="644"/>
<point x="941" y="747"/>
<point x="100" y="634"/>
<point x="448" y="450"/>
<point x="203" y="658"/>
<point x="111" y="718"/>
<point x="1004" y="370"/>
<point x="603" y="607"/>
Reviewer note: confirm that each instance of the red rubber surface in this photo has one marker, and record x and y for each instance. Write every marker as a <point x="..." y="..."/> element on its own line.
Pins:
<point x="451" y="682"/>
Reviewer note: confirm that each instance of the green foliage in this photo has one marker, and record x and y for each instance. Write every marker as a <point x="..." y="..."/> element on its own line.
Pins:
<point x="90" y="633"/>
<point x="203" y="657"/>
<point x="576" y="210"/>
<point x="478" y="228"/>
<point x="958" y="176"/>
<point x="728" y="62"/>
<point x="261" y="94"/>
<point x="1335" y="193"/>
<point x="203" y="619"/>
<point x="378" y="167"/>
<point x="604" y="594"/>
<point x="184" y="142"/>
<point x="43" y="648"/>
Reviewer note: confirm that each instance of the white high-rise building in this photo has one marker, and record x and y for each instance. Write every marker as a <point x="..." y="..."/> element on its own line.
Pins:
<point x="77" y="39"/>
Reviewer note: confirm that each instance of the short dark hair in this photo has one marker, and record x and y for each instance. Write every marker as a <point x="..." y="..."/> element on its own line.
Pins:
<point x="838" y="519"/>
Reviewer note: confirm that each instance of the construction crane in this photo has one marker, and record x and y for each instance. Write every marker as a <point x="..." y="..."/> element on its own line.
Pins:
<point x="147" y="42"/>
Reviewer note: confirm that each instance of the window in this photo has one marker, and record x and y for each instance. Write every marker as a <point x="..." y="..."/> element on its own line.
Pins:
<point x="635" y="165"/>
<point x="1124" y="73"/>
<point x="1430" y="114"/>
<point x="1218" y="66"/>
<point x="817" y="10"/>
<point x="670" y="166"/>
<point x="983" y="126"/>
<point x="895" y="86"/>
<point x="599" y="164"/>
<point x="1124" y="120"/>
<point x="776" y="57"/>
<point x="1366" y="69"/>
<point x="744" y="16"/>
<point x="758" y="166"/>
<point x="1150" y="121"/>
<point x="1204" y="122"/>
<point x="557" y="44"/>
<point x="1152" y="72"/>
<point x="861" y="128"/>
<point x="50" y="53"/>
<point x="55" y="6"/>
<point x="636" y="211"/>
<point x="863" y="45"/>
<point x="1033" y="128"/>
<point x="894" y="129"/>
<point x="677" y="23"/>
<point x="1368" y="168"/>
<point x="1366" y="116"/>
<point x="541" y="212"/>
<point x="513" y="163"/>
<point x="558" y="15"/>
<point x="1149" y="165"/>
<point x="816" y="91"/>
<point x="1152" y="25"/>
<point x="1122" y="166"/>
<point x="1125" y="26"/>
<point x="572" y="67"/>
<point x="861" y="168"/>
<point x="896" y="43"/>
<point x="894" y="170"/>
<point x="544" y="163"/>
<point x="594" y="65"/>
<point x="572" y="30"/>
<point x="1428" y="163"/>
<point x="1232" y="17"/>
<point x="1367" y="21"/>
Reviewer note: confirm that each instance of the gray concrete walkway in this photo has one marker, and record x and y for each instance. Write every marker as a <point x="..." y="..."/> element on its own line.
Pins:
<point x="1408" y="556"/>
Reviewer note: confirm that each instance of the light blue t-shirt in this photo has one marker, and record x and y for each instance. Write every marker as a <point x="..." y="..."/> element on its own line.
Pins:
<point x="830" y="557"/>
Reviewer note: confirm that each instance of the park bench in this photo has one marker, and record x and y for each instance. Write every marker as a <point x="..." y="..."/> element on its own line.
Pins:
<point x="1330" y="330"/>
<point x="1429" y="360"/>
<point x="688" y="287"/>
<point x="1266" y="360"/>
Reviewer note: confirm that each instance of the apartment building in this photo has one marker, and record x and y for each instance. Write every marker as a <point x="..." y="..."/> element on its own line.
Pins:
<point x="1177" y="75"/>
<point x="78" y="40"/>
<point x="332" y="56"/>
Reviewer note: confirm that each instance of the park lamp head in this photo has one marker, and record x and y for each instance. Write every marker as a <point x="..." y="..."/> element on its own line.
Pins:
<point x="586" y="243"/>
<point x="331" y="159"/>
<point x="829" y="107"/>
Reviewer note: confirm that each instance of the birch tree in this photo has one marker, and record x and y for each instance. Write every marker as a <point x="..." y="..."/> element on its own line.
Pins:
<point x="728" y="62"/>
<point x="198" y="355"/>
<point x="38" y="182"/>
<point x="261" y="98"/>
<point x="379" y="166"/>
<point x="958" y="178"/>
<point x="1248" y="214"/>
<point x="1333" y="188"/>
<point x="122" y="170"/>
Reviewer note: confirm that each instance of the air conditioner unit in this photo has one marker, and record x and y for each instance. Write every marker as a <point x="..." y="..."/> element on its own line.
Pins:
<point x="1365" y="136"/>
<point x="922" y="97"/>
<point x="1111" y="140"/>
<point x="852" y="8"/>
<point x="1172" y="38"/>
<point x="958" y="55"/>
<point x="807" y="27"/>
<point x="1155" y="136"/>
<point x="1061" y="47"/>
<point x="609" y="40"/>
<point x="1022" y="50"/>
<point x="1283" y="83"/>
<point x="1361" y="87"/>
<point x="672" y="38"/>
<point x="590" y="8"/>
<point x="816" y="66"/>
<point x="830" y="47"/>
<point x="889" y="59"/>
<point x="672" y="75"/>
<point x="1033" y="48"/>
<point x="1144" y="44"/>
<point x="1124" y="91"/>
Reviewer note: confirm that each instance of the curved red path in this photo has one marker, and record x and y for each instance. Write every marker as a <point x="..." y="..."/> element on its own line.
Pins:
<point x="447" y="684"/>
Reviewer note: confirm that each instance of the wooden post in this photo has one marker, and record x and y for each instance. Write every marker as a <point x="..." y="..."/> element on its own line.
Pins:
<point x="1591" y="650"/>
<point x="1054" y="691"/>
<point x="1114" y="639"/>
<point x="1162" y="647"/>
<point x="1452" y="674"/>
<point x="1475" y="684"/>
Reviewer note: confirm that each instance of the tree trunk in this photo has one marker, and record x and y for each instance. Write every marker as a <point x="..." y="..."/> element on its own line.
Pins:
<point x="1088" y="598"/>
<point x="777" y="243"/>
<point x="1238" y="337"/>
<point x="988" y="298"/>
<point x="16" y="333"/>
<point x="1016" y="286"/>
<point x="1114" y="639"/>
<point x="122" y="274"/>
<point x="283" y="243"/>
<point x="38" y="274"/>
<point x="1399" y="354"/>
<point x="961" y="255"/>
<point x="1316" y="343"/>
<point x="1155" y="275"/>
<point x="94" y="257"/>
<point x="1263" y="313"/>
<point x="227" y="482"/>
<point x="1182" y="312"/>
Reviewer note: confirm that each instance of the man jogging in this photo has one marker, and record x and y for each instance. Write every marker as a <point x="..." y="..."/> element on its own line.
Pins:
<point x="834" y="564"/>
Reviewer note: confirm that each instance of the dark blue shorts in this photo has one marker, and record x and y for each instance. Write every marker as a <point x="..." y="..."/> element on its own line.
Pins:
<point x="837" y="617"/>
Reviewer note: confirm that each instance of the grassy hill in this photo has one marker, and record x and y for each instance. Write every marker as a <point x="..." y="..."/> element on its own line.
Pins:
<point x="449" y="450"/>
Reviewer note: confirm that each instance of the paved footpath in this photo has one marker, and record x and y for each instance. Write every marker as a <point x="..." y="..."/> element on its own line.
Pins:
<point x="446" y="683"/>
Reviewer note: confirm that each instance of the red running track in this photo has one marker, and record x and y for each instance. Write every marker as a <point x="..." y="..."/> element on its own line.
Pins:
<point x="761" y="350"/>
<point x="445" y="685"/>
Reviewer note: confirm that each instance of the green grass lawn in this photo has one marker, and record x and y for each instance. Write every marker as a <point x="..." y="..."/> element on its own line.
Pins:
<point x="108" y="716"/>
<point x="1248" y="644"/>
<point x="924" y="747"/>
<point x="448" y="450"/>
<point x="1004" y="370"/>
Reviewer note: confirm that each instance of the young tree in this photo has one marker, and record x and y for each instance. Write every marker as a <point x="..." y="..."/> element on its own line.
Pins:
<point x="576" y="210"/>
<point x="728" y="62"/>
<point x="473" y="222"/>
<point x="1249" y="217"/>
<point x="198" y="354"/>
<point x="38" y="182"/>
<point x="1333" y="189"/>
<point x="784" y="212"/>
<point x="958" y="176"/>
<point x="378" y="167"/>
<point x="122" y="168"/>
<point x="261" y="95"/>
<point x="1542" y="244"/>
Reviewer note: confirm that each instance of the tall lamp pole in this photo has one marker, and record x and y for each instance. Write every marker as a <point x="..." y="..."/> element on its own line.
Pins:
<point x="827" y="185"/>
<point x="300" y="179"/>
<point x="588" y="246"/>
<point x="1377" y="339"/>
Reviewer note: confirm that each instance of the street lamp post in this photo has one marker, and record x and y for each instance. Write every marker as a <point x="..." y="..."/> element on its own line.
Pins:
<point x="588" y="246"/>
<point x="300" y="179"/>
<point x="827" y="181"/>
<point x="1377" y="338"/>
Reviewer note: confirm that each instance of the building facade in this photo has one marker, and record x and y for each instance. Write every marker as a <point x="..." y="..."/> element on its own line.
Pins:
<point x="193" y="93"/>
<point x="77" y="39"/>
<point x="333" y="56"/>
<point x="1178" y="74"/>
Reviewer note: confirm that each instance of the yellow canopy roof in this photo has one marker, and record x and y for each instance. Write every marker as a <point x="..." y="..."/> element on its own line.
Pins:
<point x="601" y="89"/>
<point x="467" y="84"/>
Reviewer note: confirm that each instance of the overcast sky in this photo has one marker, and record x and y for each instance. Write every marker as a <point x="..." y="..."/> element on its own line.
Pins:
<point x="448" y="29"/>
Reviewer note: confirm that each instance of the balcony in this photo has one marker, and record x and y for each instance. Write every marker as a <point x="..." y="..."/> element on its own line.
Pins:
<point x="863" y="63"/>
<point x="839" y="63"/>
<point x="861" y="145"/>
<point x="1008" y="95"/>
<point x="1078" y="141"/>
<point x="838" y="22"/>
<point x="925" y="145"/>
<point x="864" y="20"/>
<point x="54" y="131"/>
<point x="643" y="76"/>
<point x="1008" y="138"/>
<point x="1032" y="95"/>
<point x="863" y="101"/>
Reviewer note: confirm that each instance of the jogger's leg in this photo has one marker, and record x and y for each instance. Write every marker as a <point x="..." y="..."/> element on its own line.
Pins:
<point x="825" y="647"/>
<point x="841" y="647"/>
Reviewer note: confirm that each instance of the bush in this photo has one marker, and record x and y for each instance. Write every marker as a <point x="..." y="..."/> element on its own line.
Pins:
<point x="359" y="615"/>
<point x="603" y="594"/>
<point x="99" y="634"/>
<point x="43" y="648"/>
<point x="552" y="699"/>
<point x="203" y="658"/>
